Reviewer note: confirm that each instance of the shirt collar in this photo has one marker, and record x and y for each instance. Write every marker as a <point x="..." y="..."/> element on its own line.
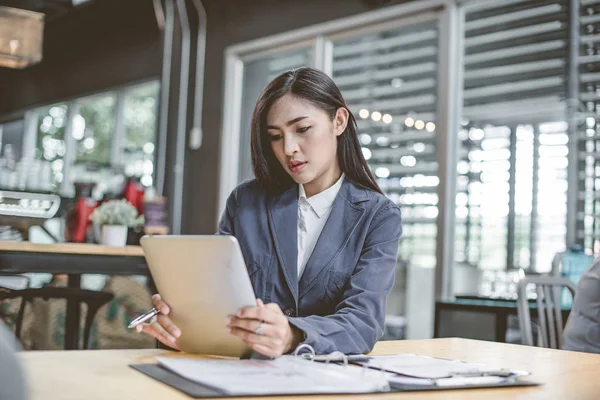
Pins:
<point x="323" y="201"/>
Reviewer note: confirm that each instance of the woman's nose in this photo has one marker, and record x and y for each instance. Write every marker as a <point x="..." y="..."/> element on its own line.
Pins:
<point x="290" y="146"/>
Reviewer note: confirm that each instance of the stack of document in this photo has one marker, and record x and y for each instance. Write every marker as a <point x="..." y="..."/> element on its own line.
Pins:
<point x="285" y="375"/>
<point x="290" y="375"/>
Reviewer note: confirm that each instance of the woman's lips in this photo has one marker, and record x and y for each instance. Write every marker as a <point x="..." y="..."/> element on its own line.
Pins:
<point x="296" y="166"/>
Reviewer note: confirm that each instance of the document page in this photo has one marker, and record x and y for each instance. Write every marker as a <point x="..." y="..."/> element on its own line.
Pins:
<point x="416" y="366"/>
<point x="285" y="375"/>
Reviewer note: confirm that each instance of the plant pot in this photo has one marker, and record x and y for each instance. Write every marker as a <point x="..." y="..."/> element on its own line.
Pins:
<point x="114" y="235"/>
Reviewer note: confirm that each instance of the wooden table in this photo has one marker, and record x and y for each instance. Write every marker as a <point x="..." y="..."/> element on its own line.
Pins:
<point x="72" y="259"/>
<point x="104" y="374"/>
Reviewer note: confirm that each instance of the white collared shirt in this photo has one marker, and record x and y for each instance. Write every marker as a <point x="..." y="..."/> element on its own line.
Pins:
<point x="312" y="216"/>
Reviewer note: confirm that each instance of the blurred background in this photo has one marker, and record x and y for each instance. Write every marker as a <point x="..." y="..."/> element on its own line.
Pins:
<point x="479" y="119"/>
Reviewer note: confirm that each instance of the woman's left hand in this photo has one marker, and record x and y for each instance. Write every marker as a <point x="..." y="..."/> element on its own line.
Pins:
<point x="265" y="329"/>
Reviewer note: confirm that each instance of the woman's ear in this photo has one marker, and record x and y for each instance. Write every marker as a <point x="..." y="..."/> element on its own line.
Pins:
<point x="340" y="121"/>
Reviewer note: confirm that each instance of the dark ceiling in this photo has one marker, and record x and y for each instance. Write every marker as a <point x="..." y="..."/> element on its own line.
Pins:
<point x="53" y="9"/>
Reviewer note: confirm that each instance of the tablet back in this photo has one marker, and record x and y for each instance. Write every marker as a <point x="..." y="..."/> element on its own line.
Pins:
<point x="203" y="279"/>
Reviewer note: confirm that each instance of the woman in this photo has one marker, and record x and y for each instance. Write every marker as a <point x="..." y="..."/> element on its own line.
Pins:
<point x="582" y="332"/>
<point x="318" y="236"/>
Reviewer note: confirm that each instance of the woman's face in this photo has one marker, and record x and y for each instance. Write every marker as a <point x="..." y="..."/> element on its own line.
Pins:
<point x="304" y="140"/>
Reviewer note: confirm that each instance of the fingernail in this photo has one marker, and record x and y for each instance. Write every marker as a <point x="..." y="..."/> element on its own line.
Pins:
<point x="228" y="329"/>
<point x="177" y="332"/>
<point x="239" y="313"/>
<point x="227" y="320"/>
<point x="138" y="328"/>
<point x="164" y="310"/>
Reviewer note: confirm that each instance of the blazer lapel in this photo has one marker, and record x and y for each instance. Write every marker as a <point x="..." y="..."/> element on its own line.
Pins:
<point x="283" y="221"/>
<point x="345" y="215"/>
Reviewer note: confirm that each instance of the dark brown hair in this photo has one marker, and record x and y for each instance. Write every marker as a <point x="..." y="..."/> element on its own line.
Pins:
<point x="316" y="87"/>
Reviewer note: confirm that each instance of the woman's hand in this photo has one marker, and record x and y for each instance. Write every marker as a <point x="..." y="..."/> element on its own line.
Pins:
<point x="275" y="337"/>
<point x="161" y="327"/>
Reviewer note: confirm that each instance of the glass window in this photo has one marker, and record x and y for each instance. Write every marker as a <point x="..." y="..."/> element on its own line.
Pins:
<point x="513" y="157"/>
<point x="113" y="135"/>
<point x="140" y="115"/>
<point x="587" y="225"/>
<point x="11" y="150"/>
<point x="389" y="80"/>
<point x="94" y="128"/>
<point x="51" y="146"/>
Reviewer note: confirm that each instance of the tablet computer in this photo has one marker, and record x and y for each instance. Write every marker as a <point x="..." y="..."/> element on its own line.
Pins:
<point x="203" y="279"/>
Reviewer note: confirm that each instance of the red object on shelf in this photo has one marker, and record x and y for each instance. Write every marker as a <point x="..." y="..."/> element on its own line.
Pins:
<point x="134" y="193"/>
<point x="78" y="220"/>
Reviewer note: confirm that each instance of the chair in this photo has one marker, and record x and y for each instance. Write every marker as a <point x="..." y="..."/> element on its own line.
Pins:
<point x="93" y="299"/>
<point x="549" y="310"/>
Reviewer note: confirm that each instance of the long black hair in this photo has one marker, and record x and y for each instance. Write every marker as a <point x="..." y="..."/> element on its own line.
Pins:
<point x="316" y="87"/>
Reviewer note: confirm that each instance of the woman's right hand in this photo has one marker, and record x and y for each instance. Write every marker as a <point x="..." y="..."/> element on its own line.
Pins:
<point x="161" y="327"/>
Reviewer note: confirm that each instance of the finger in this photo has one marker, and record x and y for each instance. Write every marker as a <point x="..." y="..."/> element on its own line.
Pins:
<point x="275" y="307"/>
<point x="259" y="303"/>
<point x="161" y="334"/>
<point x="150" y="331"/>
<point x="160" y="304"/>
<point x="251" y="325"/>
<point x="168" y="324"/>
<point x="265" y="350"/>
<point x="253" y="338"/>
<point x="140" y="328"/>
<point x="262" y="314"/>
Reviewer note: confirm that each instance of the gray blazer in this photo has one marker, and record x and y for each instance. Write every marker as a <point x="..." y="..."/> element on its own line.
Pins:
<point x="582" y="332"/>
<point x="339" y="302"/>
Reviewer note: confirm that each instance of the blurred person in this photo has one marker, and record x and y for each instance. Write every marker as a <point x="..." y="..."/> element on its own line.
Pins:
<point x="12" y="381"/>
<point x="313" y="225"/>
<point x="582" y="332"/>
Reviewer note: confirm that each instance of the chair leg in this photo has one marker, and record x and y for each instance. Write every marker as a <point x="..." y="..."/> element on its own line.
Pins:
<point x="20" y="317"/>
<point x="89" y="320"/>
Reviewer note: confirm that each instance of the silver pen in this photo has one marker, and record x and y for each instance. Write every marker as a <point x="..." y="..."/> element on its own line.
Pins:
<point x="143" y="318"/>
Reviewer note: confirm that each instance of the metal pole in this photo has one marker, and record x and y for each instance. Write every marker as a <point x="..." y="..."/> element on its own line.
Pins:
<point x="196" y="133"/>
<point x="184" y="77"/>
<point x="510" y="231"/>
<point x="534" y="198"/>
<point x="449" y="108"/>
<point x="572" y="108"/>
<point x="66" y="187"/>
<point x="165" y="89"/>
<point x="116" y="150"/>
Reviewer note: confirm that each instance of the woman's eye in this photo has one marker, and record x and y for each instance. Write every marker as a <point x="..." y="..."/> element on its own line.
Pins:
<point x="274" y="138"/>
<point x="302" y="130"/>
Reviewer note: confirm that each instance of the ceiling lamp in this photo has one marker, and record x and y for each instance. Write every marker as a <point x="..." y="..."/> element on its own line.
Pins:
<point x="21" y="37"/>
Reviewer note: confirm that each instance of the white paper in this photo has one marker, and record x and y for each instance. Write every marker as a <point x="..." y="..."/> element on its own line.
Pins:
<point x="417" y="366"/>
<point x="470" y="381"/>
<point x="285" y="375"/>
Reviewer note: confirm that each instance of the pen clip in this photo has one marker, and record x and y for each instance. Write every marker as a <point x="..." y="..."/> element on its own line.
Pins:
<point x="143" y="318"/>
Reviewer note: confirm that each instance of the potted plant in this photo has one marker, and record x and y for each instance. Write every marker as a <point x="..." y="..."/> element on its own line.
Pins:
<point x="115" y="217"/>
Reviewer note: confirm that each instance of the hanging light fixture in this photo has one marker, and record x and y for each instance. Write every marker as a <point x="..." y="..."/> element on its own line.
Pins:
<point x="21" y="37"/>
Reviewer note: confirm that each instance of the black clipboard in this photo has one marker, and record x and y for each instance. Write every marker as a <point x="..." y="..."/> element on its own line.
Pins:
<point x="198" y="391"/>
